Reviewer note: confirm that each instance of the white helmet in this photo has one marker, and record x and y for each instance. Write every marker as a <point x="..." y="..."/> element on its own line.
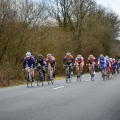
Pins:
<point x="28" y="54"/>
<point x="49" y="55"/>
<point x="79" y="56"/>
<point x="68" y="53"/>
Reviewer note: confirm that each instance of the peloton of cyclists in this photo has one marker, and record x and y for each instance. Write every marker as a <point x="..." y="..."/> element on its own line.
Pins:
<point x="104" y="62"/>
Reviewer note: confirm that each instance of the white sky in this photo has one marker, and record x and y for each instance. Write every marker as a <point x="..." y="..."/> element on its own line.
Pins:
<point x="111" y="4"/>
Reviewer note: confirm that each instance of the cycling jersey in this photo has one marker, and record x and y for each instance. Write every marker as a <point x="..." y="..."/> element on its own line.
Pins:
<point x="102" y="62"/>
<point x="91" y="60"/>
<point x="42" y="62"/>
<point x="115" y="64"/>
<point x="29" y="62"/>
<point x="51" y="61"/>
<point x="79" y="60"/>
<point x="68" y="59"/>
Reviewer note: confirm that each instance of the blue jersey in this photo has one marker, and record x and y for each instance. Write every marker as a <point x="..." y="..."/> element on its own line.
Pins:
<point x="115" y="63"/>
<point x="29" y="62"/>
<point x="102" y="62"/>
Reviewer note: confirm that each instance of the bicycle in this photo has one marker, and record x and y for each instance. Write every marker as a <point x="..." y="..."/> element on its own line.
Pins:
<point x="40" y="75"/>
<point x="103" y="74"/>
<point x="68" y="73"/>
<point x="50" y="76"/>
<point x="91" y="70"/>
<point x="79" y="76"/>
<point x="29" y="78"/>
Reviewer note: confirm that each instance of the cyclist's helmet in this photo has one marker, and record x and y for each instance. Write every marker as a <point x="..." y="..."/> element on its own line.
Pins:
<point x="40" y="56"/>
<point x="28" y="54"/>
<point x="101" y="56"/>
<point x="90" y="56"/>
<point x="79" y="56"/>
<point x="68" y="54"/>
<point x="110" y="59"/>
<point x="49" y="55"/>
<point x="113" y="59"/>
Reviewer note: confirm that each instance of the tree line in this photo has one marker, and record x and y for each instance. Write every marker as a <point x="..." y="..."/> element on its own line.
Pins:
<point x="56" y="27"/>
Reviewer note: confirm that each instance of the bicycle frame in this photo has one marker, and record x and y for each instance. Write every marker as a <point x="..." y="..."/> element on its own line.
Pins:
<point x="91" y="70"/>
<point x="40" y="75"/>
<point x="79" y="73"/>
<point x="68" y="73"/>
<point x="103" y="71"/>
<point x="50" y="75"/>
<point x="29" y="78"/>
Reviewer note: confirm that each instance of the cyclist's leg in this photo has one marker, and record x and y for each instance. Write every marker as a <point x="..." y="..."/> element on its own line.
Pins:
<point x="77" y="70"/>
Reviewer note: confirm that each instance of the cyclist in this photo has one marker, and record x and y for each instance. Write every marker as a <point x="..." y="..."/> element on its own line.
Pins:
<point x="102" y="63"/>
<point x="108" y="65"/>
<point x="40" y="60"/>
<point x="29" y="61"/>
<point x="111" y="67"/>
<point x="91" y="62"/>
<point x="68" y="60"/>
<point x="51" y="62"/>
<point x="79" y="63"/>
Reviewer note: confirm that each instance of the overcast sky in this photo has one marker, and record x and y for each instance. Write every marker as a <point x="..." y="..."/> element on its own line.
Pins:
<point x="112" y="4"/>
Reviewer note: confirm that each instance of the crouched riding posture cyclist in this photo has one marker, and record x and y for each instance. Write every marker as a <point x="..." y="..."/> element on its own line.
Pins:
<point x="40" y="60"/>
<point x="51" y="62"/>
<point x="79" y="63"/>
<point x="102" y="64"/>
<point x="108" y="65"/>
<point x="68" y="60"/>
<point x="91" y="63"/>
<point x="29" y="61"/>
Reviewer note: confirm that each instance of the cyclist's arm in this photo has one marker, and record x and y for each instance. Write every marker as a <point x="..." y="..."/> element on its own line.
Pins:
<point x="24" y="63"/>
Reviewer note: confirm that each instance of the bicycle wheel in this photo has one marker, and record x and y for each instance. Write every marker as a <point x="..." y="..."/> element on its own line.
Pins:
<point x="28" y="84"/>
<point x="52" y="80"/>
<point x="28" y="80"/>
<point x="79" y="77"/>
<point x="103" y="76"/>
<point x="48" y="80"/>
<point x="70" y="78"/>
<point x="92" y="75"/>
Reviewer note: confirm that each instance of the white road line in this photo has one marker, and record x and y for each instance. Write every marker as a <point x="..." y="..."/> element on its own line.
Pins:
<point x="58" y="87"/>
<point x="87" y="80"/>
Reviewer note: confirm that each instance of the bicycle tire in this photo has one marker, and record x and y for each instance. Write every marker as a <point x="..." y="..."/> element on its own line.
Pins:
<point x="103" y="76"/>
<point x="92" y="75"/>
<point x="79" y="77"/>
<point x="48" y="80"/>
<point x="70" y="80"/>
<point x="52" y="80"/>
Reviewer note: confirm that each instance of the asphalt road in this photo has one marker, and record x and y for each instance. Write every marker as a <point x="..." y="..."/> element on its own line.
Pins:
<point x="85" y="100"/>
